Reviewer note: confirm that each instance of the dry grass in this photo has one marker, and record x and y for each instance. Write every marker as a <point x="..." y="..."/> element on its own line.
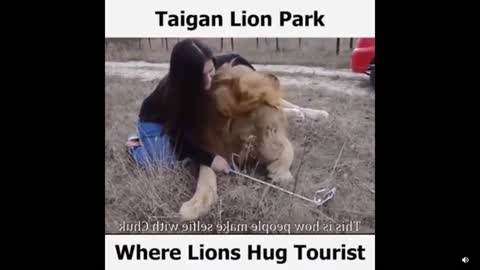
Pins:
<point x="338" y="152"/>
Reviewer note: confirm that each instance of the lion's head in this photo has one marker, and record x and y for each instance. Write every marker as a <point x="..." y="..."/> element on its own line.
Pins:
<point x="238" y="90"/>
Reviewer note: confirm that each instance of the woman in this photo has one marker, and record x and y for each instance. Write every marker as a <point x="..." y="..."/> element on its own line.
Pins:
<point x="167" y="114"/>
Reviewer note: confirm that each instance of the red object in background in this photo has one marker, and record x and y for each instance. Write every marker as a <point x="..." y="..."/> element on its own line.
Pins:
<point x="363" y="55"/>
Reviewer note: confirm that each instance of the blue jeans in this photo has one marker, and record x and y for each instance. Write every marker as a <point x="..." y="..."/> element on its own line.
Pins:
<point x="155" y="145"/>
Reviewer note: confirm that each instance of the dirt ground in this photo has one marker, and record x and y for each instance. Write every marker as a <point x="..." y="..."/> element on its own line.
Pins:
<point x="337" y="152"/>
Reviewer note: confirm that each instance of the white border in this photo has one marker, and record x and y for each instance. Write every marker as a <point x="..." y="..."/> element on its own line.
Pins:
<point x="241" y="242"/>
<point x="343" y="18"/>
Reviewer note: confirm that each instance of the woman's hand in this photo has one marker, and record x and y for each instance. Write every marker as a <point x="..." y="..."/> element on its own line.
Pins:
<point x="219" y="164"/>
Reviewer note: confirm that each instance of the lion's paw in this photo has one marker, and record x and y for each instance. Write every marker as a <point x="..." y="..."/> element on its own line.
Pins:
<point x="188" y="211"/>
<point x="315" y="114"/>
<point x="197" y="206"/>
<point x="281" y="177"/>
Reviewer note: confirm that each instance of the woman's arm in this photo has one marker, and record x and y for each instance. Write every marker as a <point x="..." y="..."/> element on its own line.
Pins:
<point x="216" y="162"/>
<point x="227" y="58"/>
<point x="188" y="149"/>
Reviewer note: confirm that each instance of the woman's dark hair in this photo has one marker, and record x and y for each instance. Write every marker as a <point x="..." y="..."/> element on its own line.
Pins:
<point x="185" y="84"/>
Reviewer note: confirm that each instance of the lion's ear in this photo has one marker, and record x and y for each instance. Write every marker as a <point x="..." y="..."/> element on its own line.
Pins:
<point x="222" y="75"/>
<point x="275" y="78"/>
<point x="222" y="78"/>
<point x="225" y="68"/>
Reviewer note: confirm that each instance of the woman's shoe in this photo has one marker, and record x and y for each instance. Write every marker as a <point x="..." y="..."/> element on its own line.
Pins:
<point x="133" y="141"/>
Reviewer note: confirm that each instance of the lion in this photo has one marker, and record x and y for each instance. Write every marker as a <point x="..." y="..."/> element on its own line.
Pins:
<point x="242" y="106"/>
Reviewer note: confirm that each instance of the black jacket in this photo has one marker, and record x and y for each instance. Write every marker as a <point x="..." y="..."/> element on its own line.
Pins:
<point x="150" y="112"/>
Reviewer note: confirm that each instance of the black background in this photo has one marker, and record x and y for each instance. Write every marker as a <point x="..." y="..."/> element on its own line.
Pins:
<point x="426" y="139"/>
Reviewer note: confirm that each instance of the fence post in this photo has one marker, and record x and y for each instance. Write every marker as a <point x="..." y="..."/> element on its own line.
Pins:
<point x="351" y="43"/>
<point x="150" y="43"/>
<point x="338" y="47"/>
<point x="231" y="44"/>
<point x="299" y="43"/>
<point x="221" y="44"/>
<point x="258" y="42"/>
<point x="166" y="43"/>
<point x="277" y="45"/>
<point x="163" y="45"/>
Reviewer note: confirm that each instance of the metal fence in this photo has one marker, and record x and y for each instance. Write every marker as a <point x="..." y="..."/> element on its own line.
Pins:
<point x="224" y="43"/>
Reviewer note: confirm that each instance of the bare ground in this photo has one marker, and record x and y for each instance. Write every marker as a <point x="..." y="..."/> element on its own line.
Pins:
<point x="338" y="152"/>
